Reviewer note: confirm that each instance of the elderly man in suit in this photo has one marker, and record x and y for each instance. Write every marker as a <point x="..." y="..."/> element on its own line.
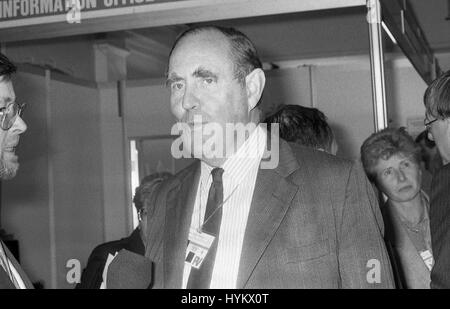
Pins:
<point x="11" y="126"/>
<point x="232" y="221"/>
<point x="437" y="122"/>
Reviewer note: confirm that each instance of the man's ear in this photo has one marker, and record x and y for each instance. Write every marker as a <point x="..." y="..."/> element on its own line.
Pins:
<point x="254" y="83"/>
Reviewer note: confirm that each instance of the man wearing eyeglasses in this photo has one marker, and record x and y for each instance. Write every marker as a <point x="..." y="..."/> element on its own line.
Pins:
<point x="437" y="122"/>
<point x="11" y="126"/>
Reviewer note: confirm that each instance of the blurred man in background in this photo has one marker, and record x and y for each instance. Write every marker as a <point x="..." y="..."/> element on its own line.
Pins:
<point x="93" y="275"/>
<point x="305" y="126"/>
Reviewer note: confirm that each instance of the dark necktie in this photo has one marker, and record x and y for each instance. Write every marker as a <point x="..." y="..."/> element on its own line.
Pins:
<point x="201" y="278"/>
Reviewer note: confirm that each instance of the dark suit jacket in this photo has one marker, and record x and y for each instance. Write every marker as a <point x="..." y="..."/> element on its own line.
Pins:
<point x="92" y="274"/>
<point x="5" y="282"/>
<point x="440" y="228"/>
<point x="314" y="222"/>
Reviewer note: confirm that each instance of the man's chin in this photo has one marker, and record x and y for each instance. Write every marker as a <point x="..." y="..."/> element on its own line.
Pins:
<point x="8" y="169"/>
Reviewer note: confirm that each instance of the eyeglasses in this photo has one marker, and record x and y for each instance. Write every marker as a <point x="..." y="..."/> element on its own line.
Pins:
<point x="8" y="114"/>
<point x="428" y="123"/>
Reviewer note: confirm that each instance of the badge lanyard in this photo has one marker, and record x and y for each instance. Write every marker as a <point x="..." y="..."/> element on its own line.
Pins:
<point x="201" y="225"/>
<point x="199" y="241"/>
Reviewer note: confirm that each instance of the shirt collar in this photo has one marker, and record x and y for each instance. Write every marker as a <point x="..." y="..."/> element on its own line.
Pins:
<point x="246" y="157"/>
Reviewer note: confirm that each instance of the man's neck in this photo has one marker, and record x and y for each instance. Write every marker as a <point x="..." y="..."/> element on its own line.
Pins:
<point x="232" y="148"/>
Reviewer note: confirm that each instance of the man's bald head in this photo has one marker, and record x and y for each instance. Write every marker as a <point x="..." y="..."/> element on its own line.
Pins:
<point x="243" y="53"/>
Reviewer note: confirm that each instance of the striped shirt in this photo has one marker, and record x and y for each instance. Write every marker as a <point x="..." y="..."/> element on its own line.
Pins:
<point x="239" y="178"/>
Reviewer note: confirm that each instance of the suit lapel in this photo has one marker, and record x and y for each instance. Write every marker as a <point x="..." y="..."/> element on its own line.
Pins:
<point x="180" y="205"/>
<point x="272" y="197"/>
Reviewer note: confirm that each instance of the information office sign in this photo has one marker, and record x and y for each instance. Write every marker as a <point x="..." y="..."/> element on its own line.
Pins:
<point x="14" y="13"/>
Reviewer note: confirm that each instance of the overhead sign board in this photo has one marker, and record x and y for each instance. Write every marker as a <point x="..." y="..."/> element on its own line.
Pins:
<point x="42" y="19"/>
<point x="15" y="13"/>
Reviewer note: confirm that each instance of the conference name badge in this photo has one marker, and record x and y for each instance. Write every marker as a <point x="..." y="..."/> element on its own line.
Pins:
<point x="427" y="257"/>
<point x="198" y="246"/>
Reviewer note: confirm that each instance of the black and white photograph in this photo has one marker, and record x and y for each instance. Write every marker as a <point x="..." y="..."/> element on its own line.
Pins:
<point x="224" y="146"/>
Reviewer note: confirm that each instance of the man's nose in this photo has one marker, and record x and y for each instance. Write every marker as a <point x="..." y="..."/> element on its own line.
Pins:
<point x="19" y="126"/>
<point x="190" y="99"/>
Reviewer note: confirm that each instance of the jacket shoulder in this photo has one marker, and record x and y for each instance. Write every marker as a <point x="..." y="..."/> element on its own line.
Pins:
<point x="318" y="159"/>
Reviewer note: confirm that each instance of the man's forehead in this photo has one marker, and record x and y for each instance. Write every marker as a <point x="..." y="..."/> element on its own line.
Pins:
<point x="207" y="48"/>
<point x="207" y="36"/>
<point x="6" y="89"/>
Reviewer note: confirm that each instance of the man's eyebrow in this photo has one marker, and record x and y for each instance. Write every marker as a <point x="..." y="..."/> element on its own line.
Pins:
<point x="203" y="73"/>
<point x="172" y="78"/>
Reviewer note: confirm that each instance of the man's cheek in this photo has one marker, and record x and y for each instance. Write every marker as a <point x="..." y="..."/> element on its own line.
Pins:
<point x="177" y="111"/>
